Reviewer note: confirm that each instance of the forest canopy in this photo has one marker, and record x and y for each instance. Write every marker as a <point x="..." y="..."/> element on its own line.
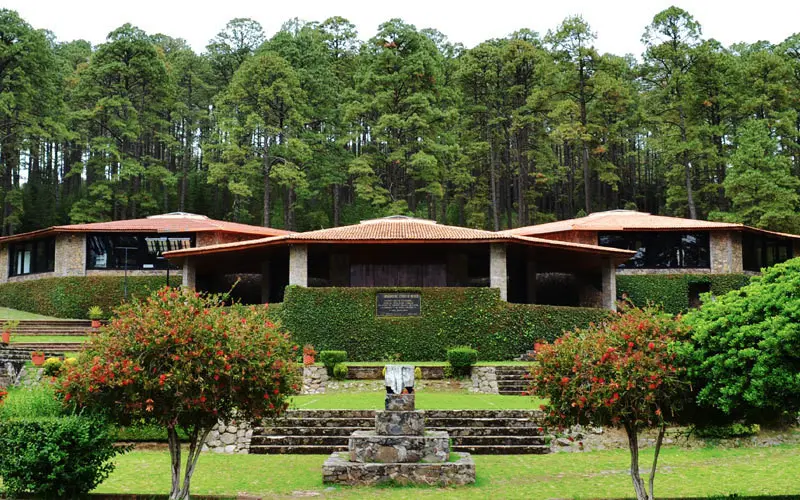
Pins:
<point x="316" y="127"/>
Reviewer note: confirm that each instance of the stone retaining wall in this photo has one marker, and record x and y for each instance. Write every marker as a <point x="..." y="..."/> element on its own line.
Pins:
<point x="315" y="379"/>
<point x="484" y="380"/>
<point x="229" y="438"/>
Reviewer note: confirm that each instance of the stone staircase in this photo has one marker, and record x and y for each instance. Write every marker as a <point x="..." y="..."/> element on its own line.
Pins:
<point x="487" y="432"/>
<point x="60" y="327"/>
<point x="511" y="380"/>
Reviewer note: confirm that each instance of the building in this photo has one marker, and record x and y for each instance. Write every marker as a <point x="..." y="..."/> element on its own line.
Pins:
<point x="401" y="251"/>
<point x="671" y="245"/>
<point x="109" y="248"/>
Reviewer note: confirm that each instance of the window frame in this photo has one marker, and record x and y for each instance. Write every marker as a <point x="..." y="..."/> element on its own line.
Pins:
<point x="649" y="256"/>
<point x="34" y="265"/>
<point x="137" y="259"/>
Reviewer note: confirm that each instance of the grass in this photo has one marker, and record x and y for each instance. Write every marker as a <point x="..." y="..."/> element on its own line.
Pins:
<point x="6" y="313"/>
<point x="602" y="474"/>
<point x="432" y="363"/>
<point x="47" y="339"/>
<point x="424" y="401"/>
<point x="36" y="401"/>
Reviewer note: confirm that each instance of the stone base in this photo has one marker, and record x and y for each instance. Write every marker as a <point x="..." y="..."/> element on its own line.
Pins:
<point x="400" y="423"/>
<point x="368" y="447"/>
<point x="400" y="402"/>
<point x="337" y="470"/>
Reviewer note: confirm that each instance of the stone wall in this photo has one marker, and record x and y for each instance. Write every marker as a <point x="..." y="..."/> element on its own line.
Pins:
<point x="484" y="380"/>
<point x="229" y="438"/>
<point x="315" y="379"/>
<point x="70" y="254"/>
<point x="726" y="251"/>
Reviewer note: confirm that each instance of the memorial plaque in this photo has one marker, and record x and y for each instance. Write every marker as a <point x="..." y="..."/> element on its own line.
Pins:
<point x="398" y="304"/>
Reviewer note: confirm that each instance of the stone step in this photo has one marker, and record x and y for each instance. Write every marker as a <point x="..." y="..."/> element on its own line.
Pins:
<point x="532" y="414"/>
<point x="461" y="441"/>
<point x="262" y="440"/>
<point x="52" y="332"/>
<point x="504" y="449"/>
<point x="512" y="369"/>
<point x="49" y="346"/>
<point x="305" y="431"/>
<point x="330" y="414"/>
<point x="511" y="376"/>
<point x="513" y="392"/>
<point x="481" y="422"/>
<point x="328" y="449"/>
<point x="327" y="422"/>
<point x="295" y="450"/>
<point x="525" y="432"/>
<point x="56" y="322"/>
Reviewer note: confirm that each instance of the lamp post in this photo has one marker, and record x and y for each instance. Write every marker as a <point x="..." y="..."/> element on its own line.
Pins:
<point x="125" y="280"/>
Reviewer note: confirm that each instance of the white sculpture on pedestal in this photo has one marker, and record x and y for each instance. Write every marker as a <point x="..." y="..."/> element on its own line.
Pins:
<point x="399" y="377"/>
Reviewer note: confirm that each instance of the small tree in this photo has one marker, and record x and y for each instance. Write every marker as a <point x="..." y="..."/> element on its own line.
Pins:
<point x="623" y="372"/>
<point x="181" y="360"/>
<point x="746" y="346"/>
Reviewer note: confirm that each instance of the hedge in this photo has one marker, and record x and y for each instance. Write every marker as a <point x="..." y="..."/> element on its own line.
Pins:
<point x="71" y="297"/>
<point x="672" y="290"/>
<point x="344" y="319"/>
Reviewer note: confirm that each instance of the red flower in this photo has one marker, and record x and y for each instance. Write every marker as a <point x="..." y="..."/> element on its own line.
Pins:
<point x="651" y="345"/>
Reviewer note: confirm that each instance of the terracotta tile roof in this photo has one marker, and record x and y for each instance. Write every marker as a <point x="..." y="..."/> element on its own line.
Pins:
<point x="167" y="223"/>
<point x="400" y="230"/>
<point x="629" y="220"/>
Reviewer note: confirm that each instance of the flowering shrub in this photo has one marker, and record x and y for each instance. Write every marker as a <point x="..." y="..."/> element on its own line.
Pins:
<point x="309" y="354"/>
<point x="181" y="360"/>
<point x="623" y="372"/>
<point x="3" y="394"/>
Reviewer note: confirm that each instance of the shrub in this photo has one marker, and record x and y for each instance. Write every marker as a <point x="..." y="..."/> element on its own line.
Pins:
<point x="344" y="318"/>
<point x="60" y="457"/>
<point x="95" y="312"/>
<point x="331" y="358"/>
<point x="340" y="371"/>
<point x="71" y="297"/>
<point x="746" y="346"/>
<point x="31" y="402"/>
<point x="462" y="358"/>
<point x="181" y="360"/>
<point x="623" y="372"/>
<point x="52" y="367"/>
<point x="417" y="373"/>
<point x="735" y="430"/>
<point x="671" y="291"/>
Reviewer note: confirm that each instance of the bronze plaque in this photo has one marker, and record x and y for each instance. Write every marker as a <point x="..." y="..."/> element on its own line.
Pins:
<point x="398" y="304"/>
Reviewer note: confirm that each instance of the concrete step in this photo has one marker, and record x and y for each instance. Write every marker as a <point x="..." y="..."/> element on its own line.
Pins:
<point x="52" y="331"/>
<point x="497" y="440"/>
<point x="330" y="414"/>
<point x="327" y="422"/>
<point x="531" y="414"/>
<point x="526" y="432"/>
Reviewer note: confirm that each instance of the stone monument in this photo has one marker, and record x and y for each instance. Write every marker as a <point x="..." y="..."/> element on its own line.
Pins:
<point x="399" y="449"/>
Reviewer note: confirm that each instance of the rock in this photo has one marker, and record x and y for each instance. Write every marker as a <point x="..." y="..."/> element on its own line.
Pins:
<point x="563" y="442"/>
<point x="399" y="402"/>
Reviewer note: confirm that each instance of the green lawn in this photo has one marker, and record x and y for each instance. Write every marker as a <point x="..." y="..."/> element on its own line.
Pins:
<point x="18" y="339"/>
<point x="424" y="401"/>
<point x="603" y="474"/>
<point x="432" y="363"/>
<point x="6" y="313"/>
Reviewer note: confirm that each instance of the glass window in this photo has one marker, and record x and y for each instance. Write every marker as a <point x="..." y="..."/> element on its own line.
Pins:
<point x="30" y="257"/>
<point x="761" y="250"/>
<point x="132" y="251"/>
<point x="661" y="250"/>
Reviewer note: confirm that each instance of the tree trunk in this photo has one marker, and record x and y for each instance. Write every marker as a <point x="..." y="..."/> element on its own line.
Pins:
<point x="196" y="439"/>
<point x="493" y="187"/>
<point x="267" y="168"/>
<point x="687" y="168"/>
<point x="659" y="440"/>
<point x="633" y="445"/>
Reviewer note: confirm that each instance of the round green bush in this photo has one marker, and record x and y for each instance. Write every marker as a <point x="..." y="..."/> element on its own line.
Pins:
<point x="57" y="457"/>
<point x="462" y="358"/>
<point x="332" y="358"/>
<point x="340" y="371"/>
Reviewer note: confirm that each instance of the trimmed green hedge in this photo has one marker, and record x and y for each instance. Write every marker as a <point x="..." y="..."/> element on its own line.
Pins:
<point x="672" y="290"/>
<point x="344" y="319"/>
<point x="71" y="297"/>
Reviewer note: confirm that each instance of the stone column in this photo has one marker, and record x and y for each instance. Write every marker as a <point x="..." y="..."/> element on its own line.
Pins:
<point x="4" y="263"/>
<point x="498" y="274"/>
<point x="726" y="251"/>
<point x="189" y="274"/>
<point x="609" y="284"/>
<point x="265" y="280"/>
<point x="298" y="265"/>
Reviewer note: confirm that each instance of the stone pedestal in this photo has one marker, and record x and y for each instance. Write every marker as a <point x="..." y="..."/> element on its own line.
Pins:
<point x="399" y="449"/>
<point x="400" y="423"/>
<point x="369" y="447"/>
